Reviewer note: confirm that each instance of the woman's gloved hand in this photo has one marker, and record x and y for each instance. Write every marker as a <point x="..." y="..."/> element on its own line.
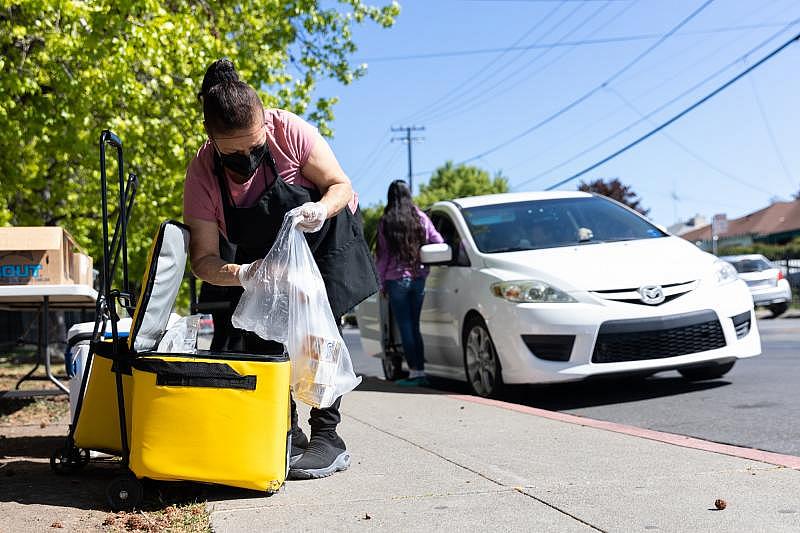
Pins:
<point x="312" y="216"/>
<point x="247" y="272"/>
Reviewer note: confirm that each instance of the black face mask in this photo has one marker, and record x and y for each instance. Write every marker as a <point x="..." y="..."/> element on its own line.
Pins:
<point x="244" y="165"/>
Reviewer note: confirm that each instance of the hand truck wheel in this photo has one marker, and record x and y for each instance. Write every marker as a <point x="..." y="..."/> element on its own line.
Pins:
<point x="124" y="493"/>
<point x="68" y="460"/>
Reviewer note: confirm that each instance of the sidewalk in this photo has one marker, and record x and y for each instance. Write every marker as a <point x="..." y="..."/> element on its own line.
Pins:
<point x="427" y="461"/>
<point x="434" y="462"/>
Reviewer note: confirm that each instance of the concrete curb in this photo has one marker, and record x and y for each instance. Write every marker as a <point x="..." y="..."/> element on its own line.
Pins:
<point x="787" y="461"/>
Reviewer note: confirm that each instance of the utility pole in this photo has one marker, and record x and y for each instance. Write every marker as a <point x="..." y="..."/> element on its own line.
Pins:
<point x="408" y="139"/>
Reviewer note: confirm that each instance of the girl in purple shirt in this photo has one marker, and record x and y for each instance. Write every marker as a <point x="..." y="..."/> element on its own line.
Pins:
<point x="402" y="230"/>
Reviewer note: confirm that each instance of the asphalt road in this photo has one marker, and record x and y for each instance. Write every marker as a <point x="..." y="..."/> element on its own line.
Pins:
<point x="757" y="404"/>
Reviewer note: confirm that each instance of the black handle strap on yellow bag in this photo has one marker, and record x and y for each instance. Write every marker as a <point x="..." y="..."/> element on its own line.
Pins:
<point x="194" y="374"/>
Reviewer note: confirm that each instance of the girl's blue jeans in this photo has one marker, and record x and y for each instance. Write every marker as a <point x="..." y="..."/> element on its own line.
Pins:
<point x="405" y="298"/>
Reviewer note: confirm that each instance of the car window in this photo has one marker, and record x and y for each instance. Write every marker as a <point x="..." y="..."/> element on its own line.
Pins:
<point x="445" y="226"/>
<point x="552" y="223"/>
<point x="745" y="266"/>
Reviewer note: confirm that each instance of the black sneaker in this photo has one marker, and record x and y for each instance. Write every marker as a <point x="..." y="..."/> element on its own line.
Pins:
<point x="326" y="453"/>
<point x="299" y="445"/>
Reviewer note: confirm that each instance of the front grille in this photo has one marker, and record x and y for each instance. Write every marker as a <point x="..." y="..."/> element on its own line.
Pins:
<point x="741" y="323"/>
<point x="671" y="336"/>
<point x="632" y="296"/>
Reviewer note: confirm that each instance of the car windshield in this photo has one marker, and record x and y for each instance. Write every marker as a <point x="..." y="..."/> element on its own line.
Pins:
<point x="745" y="266"/>
<point x="553" y="223"/>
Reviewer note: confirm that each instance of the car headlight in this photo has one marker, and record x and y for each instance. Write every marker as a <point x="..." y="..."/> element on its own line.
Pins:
<point x="724" y="272"/>
<point x="530" y="291"/>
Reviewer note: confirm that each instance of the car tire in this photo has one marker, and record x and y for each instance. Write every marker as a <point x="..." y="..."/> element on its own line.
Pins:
<point x="481" y="363"/>
<point x="393" y="367"/>
<point x="778" y="309"/>
<point x="702" y="373"/>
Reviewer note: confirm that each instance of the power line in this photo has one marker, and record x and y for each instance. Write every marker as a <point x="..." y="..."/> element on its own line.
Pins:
<point x="563" y="44"/>
<point x="370" y="160"/>
<point x="379" y="176"/>
<point x="464" y="87"/>
<point x="771" y="134"/>
<point x="688" y="150"/>
<point x="409" y="140"/>
<point x="470" y="103"/>
<point x="664" y="106"/>
<point x="679" y="115"/>
<point x="662" y="83"/>
<point x="589" y="94"/>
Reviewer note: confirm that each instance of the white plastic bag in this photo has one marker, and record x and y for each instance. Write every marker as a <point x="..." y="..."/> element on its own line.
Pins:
<point x="181" y="337"/>
<point x="286" y="301"/>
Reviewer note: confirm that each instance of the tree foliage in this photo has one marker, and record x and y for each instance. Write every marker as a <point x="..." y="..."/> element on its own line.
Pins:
<point x="773" y="252"/>
<point x="451" y="181"/>
<point x="615" y="189"/>
<point x="71" y="69"/>
<point x="447" y="182"/>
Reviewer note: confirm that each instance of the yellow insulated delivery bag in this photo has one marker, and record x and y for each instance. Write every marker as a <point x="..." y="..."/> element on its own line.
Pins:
<point x="201" y="416"/>
<point x="219" y="419"/>
<point x="97" y="426"/>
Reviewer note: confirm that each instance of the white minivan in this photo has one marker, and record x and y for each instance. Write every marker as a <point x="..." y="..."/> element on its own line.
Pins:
<point x="560" y="286"/>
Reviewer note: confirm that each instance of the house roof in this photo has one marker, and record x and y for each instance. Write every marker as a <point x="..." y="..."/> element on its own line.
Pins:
<point x="777" y="218"/>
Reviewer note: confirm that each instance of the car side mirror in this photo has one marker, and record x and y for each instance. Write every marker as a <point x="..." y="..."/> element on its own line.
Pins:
<point x="435" y="254"/>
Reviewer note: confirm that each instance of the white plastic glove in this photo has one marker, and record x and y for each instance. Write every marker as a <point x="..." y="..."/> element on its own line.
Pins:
<point x="312" y="216"/>
<point x="247" y="272"/>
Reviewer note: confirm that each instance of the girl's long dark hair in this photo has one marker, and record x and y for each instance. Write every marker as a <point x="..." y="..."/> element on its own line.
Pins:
<point x="401" y="226"/>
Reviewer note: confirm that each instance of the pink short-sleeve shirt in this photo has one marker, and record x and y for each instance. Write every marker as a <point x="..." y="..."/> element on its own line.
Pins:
<point x="290" y="140"/>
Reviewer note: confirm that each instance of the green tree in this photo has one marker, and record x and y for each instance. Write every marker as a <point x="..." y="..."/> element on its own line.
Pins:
<point x="71" y="69"/>
<point x="447" y="182"/>
<point x="457" y="181"/>
<point x="616" y="190"/>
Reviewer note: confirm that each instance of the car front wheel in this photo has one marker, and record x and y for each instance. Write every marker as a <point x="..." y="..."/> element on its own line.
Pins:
<point x="481" y="363"/>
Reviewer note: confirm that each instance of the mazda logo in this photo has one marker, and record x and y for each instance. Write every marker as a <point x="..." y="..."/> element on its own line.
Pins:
<point x="651" y="294"/>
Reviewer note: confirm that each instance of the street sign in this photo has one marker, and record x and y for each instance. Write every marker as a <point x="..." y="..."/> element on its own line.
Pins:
<point x="719" y="224"/>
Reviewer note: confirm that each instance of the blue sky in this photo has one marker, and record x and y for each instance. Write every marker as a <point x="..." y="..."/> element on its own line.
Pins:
<point x="732" y="155"/>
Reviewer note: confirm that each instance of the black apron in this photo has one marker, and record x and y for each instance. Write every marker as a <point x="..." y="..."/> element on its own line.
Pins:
<point x="339" y="247"/>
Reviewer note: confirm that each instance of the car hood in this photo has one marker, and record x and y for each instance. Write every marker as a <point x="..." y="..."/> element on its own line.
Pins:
<point x="607" y="266"/>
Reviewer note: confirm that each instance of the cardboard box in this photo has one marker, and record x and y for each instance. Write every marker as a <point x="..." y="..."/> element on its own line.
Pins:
<point x="82" y="269"/>
<point x="38" y="256"/>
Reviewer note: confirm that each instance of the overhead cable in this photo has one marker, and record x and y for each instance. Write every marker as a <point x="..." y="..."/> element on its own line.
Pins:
<point x="594" y="90"/>
<point x="662" y="106"/>
<point x="563" y="44"/>
<point x="680" y="115"/>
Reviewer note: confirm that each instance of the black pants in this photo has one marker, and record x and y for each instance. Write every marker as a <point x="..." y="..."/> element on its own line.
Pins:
<point x="320" y="419"/>
<point x="226" y="337"/>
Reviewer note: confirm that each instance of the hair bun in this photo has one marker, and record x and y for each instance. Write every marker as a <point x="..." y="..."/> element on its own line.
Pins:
<point x="219" y="71"/>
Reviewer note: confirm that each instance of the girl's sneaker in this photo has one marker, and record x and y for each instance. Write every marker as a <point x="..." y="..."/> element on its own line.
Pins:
<point x="421" y="381"/>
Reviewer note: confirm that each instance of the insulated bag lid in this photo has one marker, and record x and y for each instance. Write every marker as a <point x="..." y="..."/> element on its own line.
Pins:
<point x="162" y="280"/>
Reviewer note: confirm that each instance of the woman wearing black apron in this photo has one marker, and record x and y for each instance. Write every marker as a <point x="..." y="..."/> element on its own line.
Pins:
<point x="257" y="165"/>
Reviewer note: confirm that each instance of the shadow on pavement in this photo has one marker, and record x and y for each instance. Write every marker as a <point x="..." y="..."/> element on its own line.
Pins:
<point x="564" y="396"/>
<point x="372" y="384"/>
<point x="26" y="478"/>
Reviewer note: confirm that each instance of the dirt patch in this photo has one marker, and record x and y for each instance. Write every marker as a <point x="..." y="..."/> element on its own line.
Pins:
<point x="189" y="518"/>
<point x="33" y="498"/>
<point x="26" y="411"/>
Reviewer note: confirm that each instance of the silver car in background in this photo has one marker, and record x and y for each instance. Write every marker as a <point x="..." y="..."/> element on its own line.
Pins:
<point x="766" y="282"/>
